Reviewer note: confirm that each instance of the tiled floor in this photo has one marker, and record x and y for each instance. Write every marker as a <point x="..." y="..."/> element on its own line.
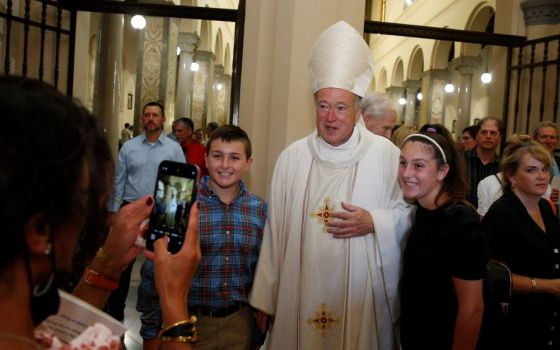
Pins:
<point x="132" y="339"/>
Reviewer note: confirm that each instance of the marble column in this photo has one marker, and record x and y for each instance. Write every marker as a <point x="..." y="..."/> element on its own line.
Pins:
<point x="432" y="105"/>
<point x="202" y="108"/>
<point x="157" y="67"/>
<point x="107" y="85"/>
<point x="168" y="78"/>
<point x="395" y="93"/>
<point x="219" y="95"/>
<point x="188" y="42"/>
<point x="226" y="81"/>
<point x="149" y="66"/>
<point x="466" y="66"/>
<point x="411" y="87"/>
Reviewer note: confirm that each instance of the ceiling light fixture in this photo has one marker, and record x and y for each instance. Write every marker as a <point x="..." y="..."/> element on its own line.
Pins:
<point x="138" y="22"/>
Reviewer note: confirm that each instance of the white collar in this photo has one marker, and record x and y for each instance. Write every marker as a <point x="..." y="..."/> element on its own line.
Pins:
<point x="348" y="153"/>
<point x="337" y="153"/>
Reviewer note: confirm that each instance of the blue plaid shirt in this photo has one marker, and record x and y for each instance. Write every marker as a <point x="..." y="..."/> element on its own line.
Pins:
<point x="230" y="240"/>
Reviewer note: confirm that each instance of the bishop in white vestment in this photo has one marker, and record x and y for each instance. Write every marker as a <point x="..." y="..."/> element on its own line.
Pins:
<point x="330" y="261"/>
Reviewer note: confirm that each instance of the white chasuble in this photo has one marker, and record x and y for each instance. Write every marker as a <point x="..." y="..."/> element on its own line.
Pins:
<point x="323" y="296"/>
<point x="328" y="293"/>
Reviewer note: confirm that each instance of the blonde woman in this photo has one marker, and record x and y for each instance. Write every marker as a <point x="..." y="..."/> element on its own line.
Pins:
<point x="523" y="233"/>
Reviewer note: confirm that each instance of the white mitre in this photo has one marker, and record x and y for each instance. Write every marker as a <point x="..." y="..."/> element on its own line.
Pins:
<point x="340" y="58"/>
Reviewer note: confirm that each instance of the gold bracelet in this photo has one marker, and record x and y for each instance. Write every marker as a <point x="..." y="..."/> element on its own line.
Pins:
<point x="103" y="257"/>
<point x="190" y="322"/>
<point x="194" y="339"/>
<point x="533" y="284"/>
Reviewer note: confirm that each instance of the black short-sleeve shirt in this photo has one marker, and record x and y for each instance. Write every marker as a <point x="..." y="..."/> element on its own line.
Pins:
<point x="444" y="243"/>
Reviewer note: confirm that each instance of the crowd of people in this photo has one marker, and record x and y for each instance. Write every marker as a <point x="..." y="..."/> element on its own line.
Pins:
<point x="373" y="237"/>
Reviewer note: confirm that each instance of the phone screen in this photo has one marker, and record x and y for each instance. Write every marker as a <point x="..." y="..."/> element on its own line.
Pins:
<point x="174" y="194"/>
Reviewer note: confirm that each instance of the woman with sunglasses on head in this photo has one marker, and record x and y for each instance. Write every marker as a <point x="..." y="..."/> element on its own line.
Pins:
<point x="523" y="233"/>
<point x="55" y="184"/>
<point x="444" y="259"/>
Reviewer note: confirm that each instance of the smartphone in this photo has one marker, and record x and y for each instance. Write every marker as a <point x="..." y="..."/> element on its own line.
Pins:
<point x="174" y="194"/>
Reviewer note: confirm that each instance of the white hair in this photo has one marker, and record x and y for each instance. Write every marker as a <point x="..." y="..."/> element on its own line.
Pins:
<point x="377" y="105"/>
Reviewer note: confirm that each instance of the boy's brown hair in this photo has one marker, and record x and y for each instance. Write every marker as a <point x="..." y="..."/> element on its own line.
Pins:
<point x="230" y="133"/>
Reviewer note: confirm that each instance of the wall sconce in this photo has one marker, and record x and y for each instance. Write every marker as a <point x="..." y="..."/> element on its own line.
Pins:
<point x="419" y="96"/>
<point x="219" y="86"/>
<point x="402" y="101"/>
<point x="449" y="88"/>
<point x="194" y="67"/>
<point x="178" y="50"/>
<point x="138" y="22"/>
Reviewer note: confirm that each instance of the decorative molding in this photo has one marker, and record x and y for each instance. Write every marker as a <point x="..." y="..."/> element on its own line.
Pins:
<point x="218" y="71"/>
<point x="395" y="90"/>
<point x="442" y="74"/>
<point x="412" y="86"/>
<point x="201" y="55"/>
<point x="188" y="42"/>
<point x="541" y="12"/>
<point x="466" y="65"/>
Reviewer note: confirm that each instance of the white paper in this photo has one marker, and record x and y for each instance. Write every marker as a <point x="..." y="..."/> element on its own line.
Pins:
<point x="75" y="315"/>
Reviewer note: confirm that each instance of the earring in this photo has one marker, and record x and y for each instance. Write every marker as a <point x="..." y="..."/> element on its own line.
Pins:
<point x="48" y="249"/>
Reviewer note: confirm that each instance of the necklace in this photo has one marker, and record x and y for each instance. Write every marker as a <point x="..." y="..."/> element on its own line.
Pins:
<point x="30" y="341"/>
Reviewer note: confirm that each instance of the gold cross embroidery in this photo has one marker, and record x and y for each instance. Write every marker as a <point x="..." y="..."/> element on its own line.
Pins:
<point x="324" y="213"/>
<point x="323" y="320"/>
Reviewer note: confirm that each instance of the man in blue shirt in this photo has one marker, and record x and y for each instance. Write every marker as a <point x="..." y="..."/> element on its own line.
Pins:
<point x="135" y="176"/>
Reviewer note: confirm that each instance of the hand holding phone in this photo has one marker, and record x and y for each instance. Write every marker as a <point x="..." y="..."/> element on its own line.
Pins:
<point x="174" y="194"/>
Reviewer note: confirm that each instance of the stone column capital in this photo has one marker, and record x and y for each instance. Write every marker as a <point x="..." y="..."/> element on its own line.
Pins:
<point x="541" y="12"/>
<point x="218" y="71"/>
<point x="394" y="90"/>
<point x="442" y="74"/>
<point x="466" y="65"/>
<point x="201" y="55"/>
<point x="188" y="42"/>
<point x="412" y="85"/>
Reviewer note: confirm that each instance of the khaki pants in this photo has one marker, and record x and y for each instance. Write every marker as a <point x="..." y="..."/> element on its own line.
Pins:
<point x="232" y="332"/>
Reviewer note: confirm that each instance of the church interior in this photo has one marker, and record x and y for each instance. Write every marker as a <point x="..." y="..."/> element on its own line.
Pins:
<point x="245" y="62"/>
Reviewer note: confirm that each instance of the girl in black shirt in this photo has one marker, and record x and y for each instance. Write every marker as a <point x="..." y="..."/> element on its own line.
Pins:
<point x="444" y="259"/>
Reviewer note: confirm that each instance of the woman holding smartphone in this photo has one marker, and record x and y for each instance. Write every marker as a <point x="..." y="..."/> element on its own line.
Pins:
<point x="55" y="184"/>
<point x="444" y="259"/>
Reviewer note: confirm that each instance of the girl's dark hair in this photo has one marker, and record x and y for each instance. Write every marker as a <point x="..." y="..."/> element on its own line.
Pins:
<point x="454" y="184"/>
<point x="472" y="130"/>
<point x="50" y="146"/>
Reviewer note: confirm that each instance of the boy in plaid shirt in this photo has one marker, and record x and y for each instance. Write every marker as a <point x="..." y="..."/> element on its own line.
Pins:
<point x="231" y="222"/>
